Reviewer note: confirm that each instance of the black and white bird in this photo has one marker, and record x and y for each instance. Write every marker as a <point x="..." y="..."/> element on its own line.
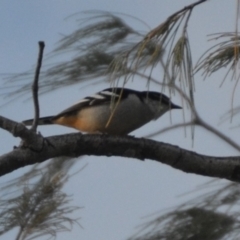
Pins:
<point x="116" y="111"/>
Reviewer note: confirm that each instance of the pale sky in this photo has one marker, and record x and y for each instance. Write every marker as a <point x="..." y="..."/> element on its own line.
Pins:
<point x="116" y="193"/>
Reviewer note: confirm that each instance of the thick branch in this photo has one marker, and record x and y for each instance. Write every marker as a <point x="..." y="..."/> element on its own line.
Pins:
<point x="75" y="145"/>
<point x="19" y="130"/>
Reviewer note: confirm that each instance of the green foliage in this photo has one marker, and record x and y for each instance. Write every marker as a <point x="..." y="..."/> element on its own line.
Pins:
<point x="212" y="215"/>
<point x="193" y="223"/>
<point x="37" y="206"/>
<point x="224" y="53"/>
<point x="104" y="47"/>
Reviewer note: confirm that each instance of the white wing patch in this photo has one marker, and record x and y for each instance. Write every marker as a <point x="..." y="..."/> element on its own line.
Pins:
<point x="107" y="93"/>
<point x="97" y="96"/>
<point x="92" y="99"/>
<point x="82" y="100"/>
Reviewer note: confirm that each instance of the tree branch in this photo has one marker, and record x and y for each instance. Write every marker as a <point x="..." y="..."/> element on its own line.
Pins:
<point x="19" y="130"/>
<point x="35" y="86"/>
<point x="76" y="144"/>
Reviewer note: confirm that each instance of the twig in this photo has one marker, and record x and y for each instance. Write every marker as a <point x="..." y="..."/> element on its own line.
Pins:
<point x="180" y="125"/>
<point x="35" y="86"/>
<point x="196" y="118"/>
<point x="187" y="8"/>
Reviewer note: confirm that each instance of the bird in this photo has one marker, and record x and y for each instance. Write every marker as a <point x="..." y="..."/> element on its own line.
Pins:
<point x="115" y="111"/>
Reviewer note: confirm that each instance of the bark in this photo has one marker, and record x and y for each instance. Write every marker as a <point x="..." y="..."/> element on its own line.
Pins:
<point x="36" y="149"/>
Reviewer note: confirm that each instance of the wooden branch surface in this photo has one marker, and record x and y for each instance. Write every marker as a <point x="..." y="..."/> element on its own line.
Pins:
<point x="39" y="149"/>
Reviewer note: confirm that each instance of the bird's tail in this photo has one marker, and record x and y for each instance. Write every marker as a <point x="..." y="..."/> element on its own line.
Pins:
<point x="41" y="121"/>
